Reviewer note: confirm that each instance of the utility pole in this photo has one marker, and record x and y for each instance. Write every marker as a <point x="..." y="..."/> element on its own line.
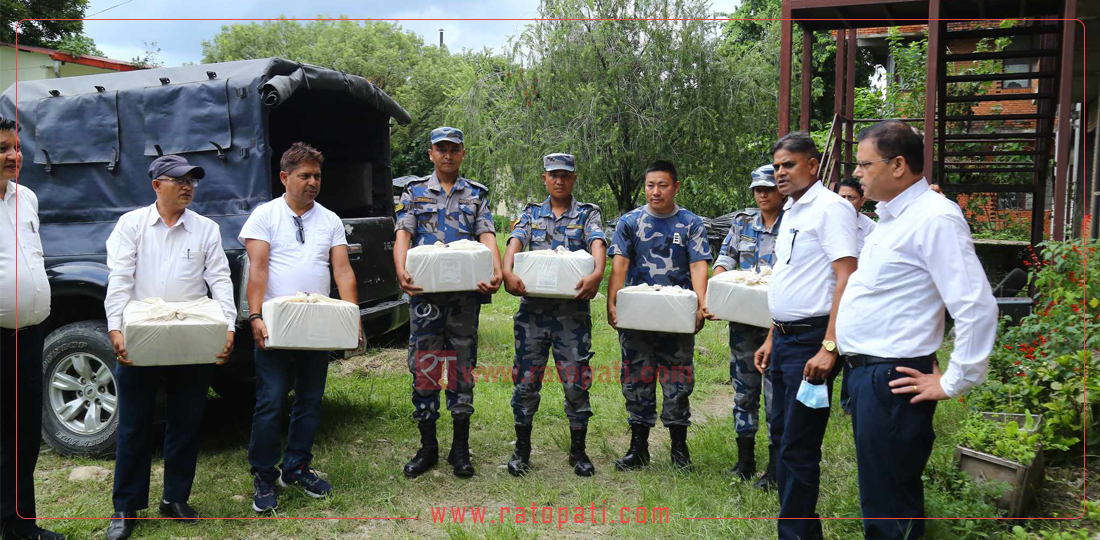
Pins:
<point x="441" y="38"/>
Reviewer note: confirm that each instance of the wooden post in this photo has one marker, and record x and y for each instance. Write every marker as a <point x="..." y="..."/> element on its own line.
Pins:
<point x="807" y="78"/>
<point x="931" y="82"/>
<point x="850" y="102"/>
<point x="1065" y="96"/>
<point x="838" y="104"/>
<point x="785" y="71"/>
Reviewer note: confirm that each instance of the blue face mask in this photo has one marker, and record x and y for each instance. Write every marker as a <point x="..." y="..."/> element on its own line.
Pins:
<point x="814" y="396"/>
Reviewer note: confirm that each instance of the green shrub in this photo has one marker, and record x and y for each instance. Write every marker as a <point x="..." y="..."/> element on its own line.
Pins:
<point x="1002" y="439"/>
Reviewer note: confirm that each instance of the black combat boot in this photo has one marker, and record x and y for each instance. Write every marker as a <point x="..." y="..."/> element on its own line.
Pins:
<point x="681" y="458"/>
<point x="428" y="454"/>
<point x="582" y="466"/>
<point x="638" y="454"/>
<point x="746" y="459"/>
<point x="459" y="456"/>
<point x="520" y="464"/>
<point x="768" y="479"/>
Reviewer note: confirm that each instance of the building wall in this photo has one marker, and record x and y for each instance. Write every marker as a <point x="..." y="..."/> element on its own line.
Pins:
<point x="35" y="66"/>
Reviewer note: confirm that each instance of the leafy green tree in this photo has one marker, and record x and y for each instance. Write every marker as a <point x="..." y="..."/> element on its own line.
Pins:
<point x="41" y="33"/>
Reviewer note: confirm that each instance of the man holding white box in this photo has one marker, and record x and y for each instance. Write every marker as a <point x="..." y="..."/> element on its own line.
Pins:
<point x="663" y="245"/>
<point x="444" y="207"/>
<point x="750" y="246"/>
<point x="291" y="243"/>
<point x="815" y="254"/>
<point x="168" y="252"/>
<point x="561" y="324"/>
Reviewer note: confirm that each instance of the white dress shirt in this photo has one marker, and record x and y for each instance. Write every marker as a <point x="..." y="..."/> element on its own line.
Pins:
<point x="24" y="289"/>
<point x="866" y="225"/>
<point x="803" y="280"/>
<point x="149" y="259"/>
<point x="919" y="260"/>
<point x="295" y="266"/>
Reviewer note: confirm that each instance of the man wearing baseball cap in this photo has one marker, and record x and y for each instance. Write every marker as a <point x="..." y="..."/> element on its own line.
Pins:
<point x="444" y="207"/>
<point x="561" y="325"/>
<point x="166" y="251"/>
<point x="750" y="245"/>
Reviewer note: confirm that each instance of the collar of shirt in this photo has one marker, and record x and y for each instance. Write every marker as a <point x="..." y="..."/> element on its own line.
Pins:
<point x="648" y="210"/>
<point x="290" y="211"/>
<point x="548" y="209"/>
<point x="758" y="223"/>
<point x="434" y="185"/>
<point x="810" y="195"/>
<point x="894" y="208"/>
<point x="154" y="216"/>
<point x="862" y="221"/>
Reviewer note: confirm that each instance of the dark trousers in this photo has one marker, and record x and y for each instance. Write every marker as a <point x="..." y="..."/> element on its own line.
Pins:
<point x="137" y="394"/>
<point x="277" y="372"/>
<point x="799" y="430"/>
<point x="893" y="442"/>
<point x="20" y="431"/>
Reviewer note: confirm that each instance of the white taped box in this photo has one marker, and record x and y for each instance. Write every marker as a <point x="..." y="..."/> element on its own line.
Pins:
<point x="159" y="333"/>
<point x="553" y="273"/>
<point x="740" y="296"/>
<point x="311" y="322"/>
<point x="657" y="308"/>
<point x="457" y="266"/>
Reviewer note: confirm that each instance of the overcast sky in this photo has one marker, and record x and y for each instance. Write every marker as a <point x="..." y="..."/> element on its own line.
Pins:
<point x="181" y="41"/>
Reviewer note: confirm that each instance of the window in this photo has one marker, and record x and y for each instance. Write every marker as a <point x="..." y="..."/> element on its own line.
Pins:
<point x="1018" y="65"/>
<point x="1014" y="201"/>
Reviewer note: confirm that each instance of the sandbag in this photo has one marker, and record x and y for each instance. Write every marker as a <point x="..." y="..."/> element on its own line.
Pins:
<point x="457" y="266"/>
<point x="740" y="296"/>
<point x="657" y="308"/>
<point x="311" y="322"/>
<point x="553" y="273"/>
<point x="159" y="333"/>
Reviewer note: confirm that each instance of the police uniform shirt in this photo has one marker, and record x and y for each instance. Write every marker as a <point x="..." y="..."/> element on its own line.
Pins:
<point x="21" y="248"/>
<point x="866" y="225"/>
<point x="660" y="248"/>
<point x="748" y="245"/>
<point x="538" y="228"/>
<point x="431" y="215"/>
<point x="818" y="228"/>
<point x="919" y="260"/>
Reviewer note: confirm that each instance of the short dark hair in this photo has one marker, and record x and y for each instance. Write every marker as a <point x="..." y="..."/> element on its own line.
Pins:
<point x="7" y="124"/>
<point x="893" y="138"/>
<point x="663" y="166"/>
<point x="798" y="142"/>
<point x="297" y="154"/>
<point x="852" y="183"/>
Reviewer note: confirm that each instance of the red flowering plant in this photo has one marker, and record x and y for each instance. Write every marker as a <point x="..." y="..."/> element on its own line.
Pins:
<point x="1040" y="364"/>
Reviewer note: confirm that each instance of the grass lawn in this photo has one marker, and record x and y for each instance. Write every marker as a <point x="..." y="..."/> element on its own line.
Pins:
<point x="367" y="435"/>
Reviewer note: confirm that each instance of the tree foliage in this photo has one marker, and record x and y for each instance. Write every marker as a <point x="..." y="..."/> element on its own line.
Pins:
<point x="41" y="33"/>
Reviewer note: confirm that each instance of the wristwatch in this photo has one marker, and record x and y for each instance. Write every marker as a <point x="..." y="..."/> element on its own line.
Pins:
<point x="830" y="345"/>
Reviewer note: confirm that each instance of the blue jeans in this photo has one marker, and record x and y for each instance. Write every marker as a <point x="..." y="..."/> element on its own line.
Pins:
<point x="800" y="431"/>
<point x="277" y="371"/>
<point x="893" y="442"/>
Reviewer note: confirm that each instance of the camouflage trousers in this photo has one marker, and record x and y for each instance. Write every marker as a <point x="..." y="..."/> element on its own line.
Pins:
<point x="443" y="345"/>
<point x="569" y="336"/>
<point x="649" y="357"/>
<point x="746" y="380"/>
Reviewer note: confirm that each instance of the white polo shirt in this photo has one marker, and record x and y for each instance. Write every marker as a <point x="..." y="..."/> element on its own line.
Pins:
<point x="295" y="266"/>
<point x="919" y="260"/>
<point x="24" y="289"/>
<point x="817" y="229"/>
<point x="866" y="225"/>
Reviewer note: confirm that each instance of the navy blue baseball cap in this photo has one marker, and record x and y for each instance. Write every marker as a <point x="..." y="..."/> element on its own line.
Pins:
<point x="174" y="167"/>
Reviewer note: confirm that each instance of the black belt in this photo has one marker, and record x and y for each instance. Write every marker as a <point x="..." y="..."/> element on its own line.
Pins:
<point x="802" y="325"/>
<point x="860" y="360"/>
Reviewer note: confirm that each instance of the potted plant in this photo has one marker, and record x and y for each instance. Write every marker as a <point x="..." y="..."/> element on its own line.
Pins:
<point x="1005" y="448"/>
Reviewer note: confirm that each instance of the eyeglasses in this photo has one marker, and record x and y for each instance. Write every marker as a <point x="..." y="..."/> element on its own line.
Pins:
<point x="867" y="164"/>
<point x="301" y="231"/>
<point x="182" y="181"/>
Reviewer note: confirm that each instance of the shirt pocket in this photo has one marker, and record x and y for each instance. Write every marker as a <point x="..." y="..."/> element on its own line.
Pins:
<point x="467" y="218"/>
<point x="539" y="238"/>
<point x="29" y="237"/>
<point x="574" y="237"/>
<point x="795" y="248"/>
<point x="877" y="266"/>
<point x="191" y="262"/>
<point x="425" y="223"/>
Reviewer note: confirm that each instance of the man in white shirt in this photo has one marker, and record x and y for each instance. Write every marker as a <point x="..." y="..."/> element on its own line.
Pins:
<point x="851" y="190"/>
<point x="291" y="241"/>
<point x="919" y="260"/>
<point x="815" y="253"/>
<point x="24" y="303"/>
<point x="162" y="251"/>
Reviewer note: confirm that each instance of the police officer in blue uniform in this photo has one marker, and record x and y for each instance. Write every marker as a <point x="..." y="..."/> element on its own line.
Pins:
<point x="563" y="325"/>
<point x="444" y="207"/>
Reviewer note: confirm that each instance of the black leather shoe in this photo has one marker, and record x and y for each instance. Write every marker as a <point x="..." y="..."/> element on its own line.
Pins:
<point x="681" y="456"/>
<point x="428" y="455"/>
<point x="746" y="459"/>
<point x="582" y="466"/>
<point x="20" y="529"/>
<point x="122" y="525"/>
<point x="637" y="455"/>
<point x="179" y="511"/>
<point x="459" y="456"/>
<point x="520" y="464"/>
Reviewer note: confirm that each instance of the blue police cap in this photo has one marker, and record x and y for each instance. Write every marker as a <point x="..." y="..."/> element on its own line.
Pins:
<point x="763" y="176"/>
<point x="558" y="162"/>
<point x="447" y="134"/>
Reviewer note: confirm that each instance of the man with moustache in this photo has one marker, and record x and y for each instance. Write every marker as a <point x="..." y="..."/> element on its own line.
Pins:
<point x="815" y="254"/>
<point x="918" y="262"/>
<point x="164" y="251"/>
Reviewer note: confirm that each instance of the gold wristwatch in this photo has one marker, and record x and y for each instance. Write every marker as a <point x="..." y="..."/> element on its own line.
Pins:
<point x="830" y="345"/>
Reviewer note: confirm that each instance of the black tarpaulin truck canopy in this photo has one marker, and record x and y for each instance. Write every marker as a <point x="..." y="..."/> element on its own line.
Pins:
<point x="88" y="141"/>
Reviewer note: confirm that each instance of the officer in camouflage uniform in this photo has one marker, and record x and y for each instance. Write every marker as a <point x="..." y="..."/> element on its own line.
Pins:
<point x="444" y="207"/>
<point x="750" y="245"/>
<point x="658" y="244"/>
<point x="542" y="324"/>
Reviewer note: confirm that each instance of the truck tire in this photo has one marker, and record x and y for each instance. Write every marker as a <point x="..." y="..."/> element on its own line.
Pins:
<point x="79" y="398"/>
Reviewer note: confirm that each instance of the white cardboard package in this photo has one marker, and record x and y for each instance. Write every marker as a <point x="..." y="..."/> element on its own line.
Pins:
<point x="553" y="273"/>
<point x="740" y="296"/>
<point x="159" y="333"/>
<point x="657" y="308"/>
<point x="457" y="266"/>
<point x="311" y="322"/>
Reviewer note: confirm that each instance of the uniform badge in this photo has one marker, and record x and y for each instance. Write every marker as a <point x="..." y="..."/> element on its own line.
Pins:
<point x="677" y="240"/>
<point x="574" y="226"/>
<point x="425" y="199"/>
<point x="745" y="238"/>
<point x="468" y="201"/>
